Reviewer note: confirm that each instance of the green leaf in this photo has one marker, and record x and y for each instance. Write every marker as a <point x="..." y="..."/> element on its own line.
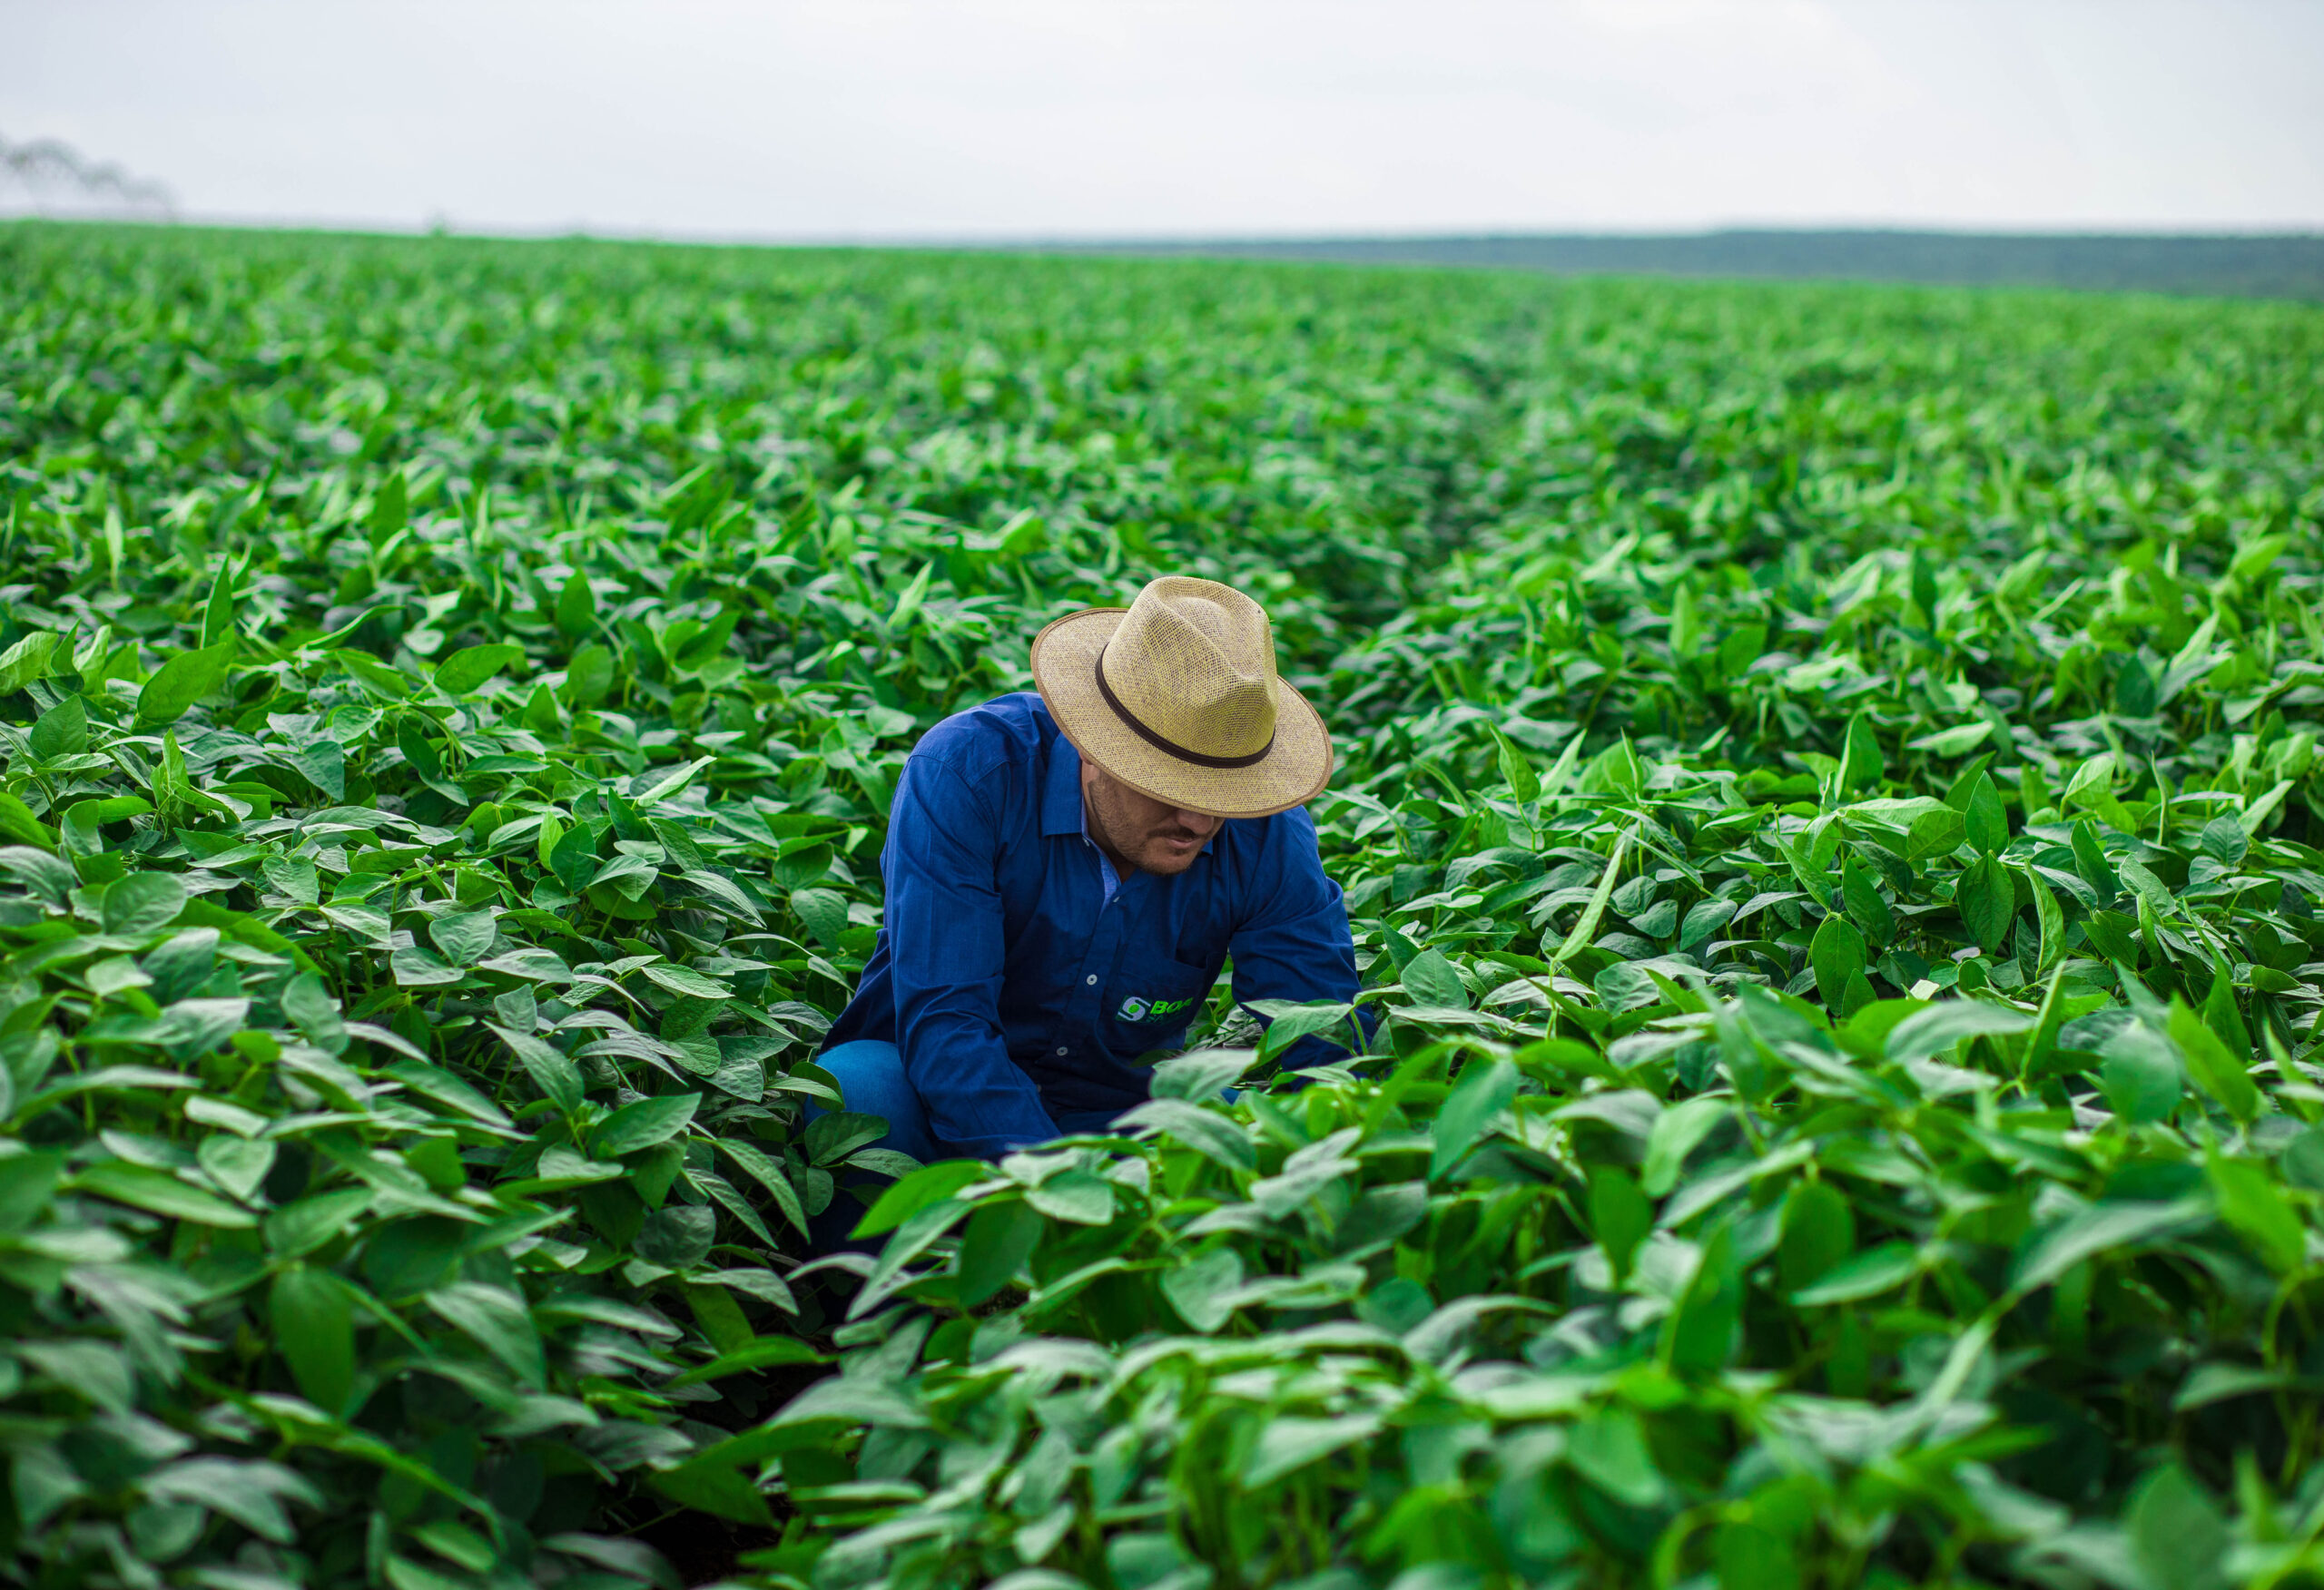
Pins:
<point x="2211" y="1065"/>
<point x="1620" y="1216"/>
<point x="18" y="823"/>
<point x="1676" y="1134"/>
<point x="142" y="903"/>
<point x="2154" y="895"/>
<point x="573" y="858"/>
<point x="26" y="1181"/>
<point x="2033" y="796"/>
<point x="1818" y="1232"/>
<point x="1288" y="1444"/>
<point x="913" y="1238"/>
<point x="823" y="910"/>
<point x="1516" y="772"/>
<point x="1984" y="824"/>
<point x="1750" y="1558"/>
<point x="458" y="1543"/>
<point x="1686" y="626"/>
<point x="2178" y="1536"/>
<point x="28" y="660"/>
<point x="62" y="730"/>
<point x="686" y="981"/>
<point x="218" y="612"/>
<point x="238" y="1164"/>
<point x="470" y="666"/>
<point x="1957" y="740"/>
<point x="1811" y="854"/>
<point x="1935" y="833"/>
<point x="1288" y="1024"/>
<point x="389" y="508"/>
<point x="2090" y="784"/>
<point x="2249" y="1202"/>
<point x="2051" y="919"/>
<point x="1000" y="1237"/>
<point x="643" y="1123"/>
<point x="2129" y="1226"/>
<point x="1936" y="1030"/>
<point x="763" y="1353"/>
<point x="495" y="1319"/>
<point x="908" y="602"/>
<point x="179" y="683"/>
<point x="2303" y="1161"/>
<point x="576" y="609"/>
<point x="908" y="1195"/>
<point x="159" y="1192"/>
<point x="434" y="1083"/>
<point x="670" y="783"/>
<point x="415" y="968"/>
<point x="1203" y="1290"/>
<point x="1861" y="765"/>
<point x="677" y="1237"/>
<point x="770" y="1175"/>
<point x="557" y="1077"/>
<point x="1430" y="979"/>
<point x="2090" y="861"/>
<point x="1703" y="921"/>
<point x="2221" y="1015"/>
<point x="1076" y="1197"/>
<point x="588" y="677"/>
<point x="1836" y="953"/>
<point x="718" y="1489"/>
<point x="249" y="1493"/>
<point x="41" y="873"/>
<point x="387" y="683"/>
<point x="1701" y="1334"/>
<point x="1865" y="908"/>
<point x="2141" y="1075"/>
<point x="323" y="764"/>
<point x="313" y="1319"/>
<point x="1863" y="1275"/>
<point x="464" y="936"/>
<point x="1484" y="1089"/>
<point x="1585" y="926"/>
<point x="1610" y="1449"/>
<point x="1987" y="901"/>
<point x="298" y="1229"/>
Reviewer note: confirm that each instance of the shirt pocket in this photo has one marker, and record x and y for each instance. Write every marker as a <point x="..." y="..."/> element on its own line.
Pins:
<point x="1150" y="1003"/>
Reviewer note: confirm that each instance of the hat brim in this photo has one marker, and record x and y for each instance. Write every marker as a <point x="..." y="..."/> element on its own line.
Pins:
<point x="1065" y="668"/>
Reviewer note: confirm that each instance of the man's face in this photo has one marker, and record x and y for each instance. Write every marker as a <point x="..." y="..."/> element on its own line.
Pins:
<point x="1139" y="829"/>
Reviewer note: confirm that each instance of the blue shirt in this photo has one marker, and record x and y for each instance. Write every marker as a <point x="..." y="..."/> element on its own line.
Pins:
<point x="1019" y="988"/>
<point x="1106" y="873"/>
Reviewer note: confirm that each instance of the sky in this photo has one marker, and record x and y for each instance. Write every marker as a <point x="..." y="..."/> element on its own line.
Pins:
<point x="895" y="120"/>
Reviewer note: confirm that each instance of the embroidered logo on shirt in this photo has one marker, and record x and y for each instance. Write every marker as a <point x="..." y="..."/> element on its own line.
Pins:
<point x="1142" y="1010"/>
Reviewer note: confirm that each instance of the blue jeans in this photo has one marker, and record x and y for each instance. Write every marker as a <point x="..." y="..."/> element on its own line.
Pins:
<point x="872" y="1082"/>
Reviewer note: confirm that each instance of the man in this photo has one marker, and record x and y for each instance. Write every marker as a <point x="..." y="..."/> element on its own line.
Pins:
<point x="1067" y="872"/>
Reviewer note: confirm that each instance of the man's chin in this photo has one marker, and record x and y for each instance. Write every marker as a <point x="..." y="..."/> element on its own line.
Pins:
<point x="1167" y="860"/>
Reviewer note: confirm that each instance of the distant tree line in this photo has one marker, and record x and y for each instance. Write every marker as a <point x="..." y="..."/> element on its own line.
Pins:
<point x="2282" y="265"/>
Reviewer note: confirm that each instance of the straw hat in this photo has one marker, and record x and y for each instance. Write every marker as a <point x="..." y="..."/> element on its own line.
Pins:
<point x="1177" y="698"/>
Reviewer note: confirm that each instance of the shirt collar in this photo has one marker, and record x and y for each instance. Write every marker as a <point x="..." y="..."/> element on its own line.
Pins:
<point x="1061" y="792"/>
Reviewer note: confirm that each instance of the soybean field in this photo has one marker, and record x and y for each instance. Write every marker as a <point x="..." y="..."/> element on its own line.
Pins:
<point x="1830" y="814"/>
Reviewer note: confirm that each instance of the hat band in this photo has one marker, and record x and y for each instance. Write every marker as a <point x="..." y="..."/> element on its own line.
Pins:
<point x="1164" y="743"/>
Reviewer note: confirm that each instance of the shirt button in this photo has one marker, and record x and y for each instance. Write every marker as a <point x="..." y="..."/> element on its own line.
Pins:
<point x="1092" y="979"/>
<point x="1062" y="1049"/>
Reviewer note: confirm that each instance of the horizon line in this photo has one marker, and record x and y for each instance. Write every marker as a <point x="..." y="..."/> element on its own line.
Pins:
<point x="980" y="241"/>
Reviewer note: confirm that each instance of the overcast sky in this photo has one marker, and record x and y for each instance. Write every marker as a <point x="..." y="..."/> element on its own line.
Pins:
<point x="891" y="119"/>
